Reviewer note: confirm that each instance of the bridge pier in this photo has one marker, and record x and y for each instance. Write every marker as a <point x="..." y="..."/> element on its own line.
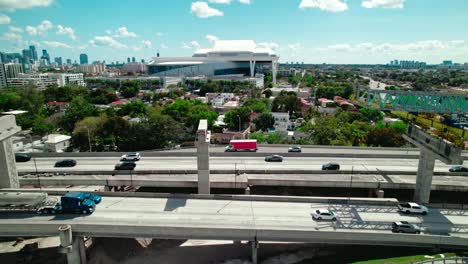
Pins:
<point x="426" y="164"/>
<point x="203" y="157"/>
<point x="72" y="246"/>
<point x="8" y="173"/>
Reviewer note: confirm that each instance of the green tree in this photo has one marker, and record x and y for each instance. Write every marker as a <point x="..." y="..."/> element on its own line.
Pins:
<point x="385" y="137"/>
<point x="231" y="118"/>
<point x="264" y="121"/>
<point x="373" y="115"/>
<point x="268" y="93"/>
<point x="79" y="108"/>
<point x="133" y="109"/>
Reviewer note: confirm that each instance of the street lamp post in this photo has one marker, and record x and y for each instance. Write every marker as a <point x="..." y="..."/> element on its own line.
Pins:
<point x="34" y="160"/>
<point x="89" y="140"/>
<point x="238" y="116"/>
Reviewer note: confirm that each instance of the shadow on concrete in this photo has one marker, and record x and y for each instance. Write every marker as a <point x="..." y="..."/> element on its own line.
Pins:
<point x="174" y="203"/>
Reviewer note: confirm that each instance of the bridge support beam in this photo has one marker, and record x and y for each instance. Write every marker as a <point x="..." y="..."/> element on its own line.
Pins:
<point x="203" y="157"/>
<point x="426" y="164"/>
<point x="8" y="173"/>
<point x="72" y="246"/>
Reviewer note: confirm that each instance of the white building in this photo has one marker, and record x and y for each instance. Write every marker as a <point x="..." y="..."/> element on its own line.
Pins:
<point x="56" y="143"/>
<point x="227" y="57"/>
<point x="281" y="121"/>
<point x="69" y="78"/>
<point x="134" y="67"/>
<point x="40" y="80"/>
<point x="91" y="69"/>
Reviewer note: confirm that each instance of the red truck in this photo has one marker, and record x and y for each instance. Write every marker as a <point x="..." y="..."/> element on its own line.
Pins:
<point x="242" y="145"/>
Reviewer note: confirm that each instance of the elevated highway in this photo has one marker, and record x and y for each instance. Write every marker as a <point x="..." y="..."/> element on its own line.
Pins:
<point x="249" y="218"/>
<point x="241" y="163"/>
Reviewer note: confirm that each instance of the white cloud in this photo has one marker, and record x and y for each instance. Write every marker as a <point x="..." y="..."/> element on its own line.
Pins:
<point x="295" y="46"/>
<point x="56" y="44"/>
<point x="16" y="29"/>
<point x="389" y="4"/>
<point x="192" y="45"/>
<point x="228" y="1"/>
<point x="211" y="38"/>
<point x="340" y="47"/>
<point x="164" y="46"/>
<point x="82" y="47"/>
<point x="147" y="44"/>
<point x="4" y="19"/>
<point x="122" y="32"/>
<point x="269" y="45"/>
<point x="39" y="30"/>
<point x="11" y="36"/>
<point x="159" y="34"/>
<point x="203" y="10"/>
<point x="102" y="41"/>
<point x="326" y="5"/>
<point x="23" y="4"/>
<point x="70" y="32"/>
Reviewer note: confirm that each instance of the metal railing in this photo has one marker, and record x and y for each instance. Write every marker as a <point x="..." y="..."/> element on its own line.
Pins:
<point x="451" y="260"/>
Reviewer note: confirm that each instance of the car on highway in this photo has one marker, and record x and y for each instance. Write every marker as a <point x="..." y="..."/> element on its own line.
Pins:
<point x="324" y="214"/>
<point x="331" y="166"/>
<point x="65" y="163"/>
<point x="295" y="149"/>
<point x="125" y="165"/>
<point x="405" y="227"/>
<point x="458" y="168"/>
<point x="133" y="156"/>
<point x="413" y="208"/>
<point x="22" y="157"/>
<point x="274" y="158"/>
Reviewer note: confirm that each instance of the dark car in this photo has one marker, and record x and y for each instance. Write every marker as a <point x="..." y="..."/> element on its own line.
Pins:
<point x="65" y="163"/>
<point x="295" y="149"/>
<point x="458" y="169"/>
<point x="22" y="157"/>
<point x="405" y="227"/>
<point x="276" y="158"/>
<point x="331" y="166"/>
<point x="125" y="166"/>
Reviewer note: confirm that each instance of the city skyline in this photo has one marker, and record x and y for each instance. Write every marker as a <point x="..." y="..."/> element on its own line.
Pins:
<point x="312" y="31"/>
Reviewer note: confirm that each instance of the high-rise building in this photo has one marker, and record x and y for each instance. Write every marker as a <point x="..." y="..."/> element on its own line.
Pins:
<point x="58" y="61"/>
<point x="3" y="77"/>
<point x="45" y="56"/>
<point x="27" y="57"/>
<point x="33" y="51"/>
<point x="133" y="59"/>
<point x="83" y="58"/>
<point x="13" y="70"/>
<point x="128" y="60"/>
<point x="69" y="62"/>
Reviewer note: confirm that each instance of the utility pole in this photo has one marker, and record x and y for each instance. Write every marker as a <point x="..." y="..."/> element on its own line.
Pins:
<point x="239" y="123"/>
<point x="89" y="140"/>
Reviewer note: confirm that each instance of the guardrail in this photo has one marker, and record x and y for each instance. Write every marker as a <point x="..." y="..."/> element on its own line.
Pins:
<point x="451" y="260"/>
<point x="246" y="171"/>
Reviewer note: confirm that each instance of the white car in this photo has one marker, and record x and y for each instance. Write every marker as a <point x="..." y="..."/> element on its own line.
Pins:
<point x="324" y="214"/>
<point x="413" y="208"/>
<point x="132" y="156"/>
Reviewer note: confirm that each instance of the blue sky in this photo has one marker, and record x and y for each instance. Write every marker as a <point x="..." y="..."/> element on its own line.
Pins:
<point x="313" y="31"/>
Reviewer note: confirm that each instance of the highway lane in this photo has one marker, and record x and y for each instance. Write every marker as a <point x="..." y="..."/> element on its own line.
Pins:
<point x="230" y="163"/>
<point x="231" y="219"/>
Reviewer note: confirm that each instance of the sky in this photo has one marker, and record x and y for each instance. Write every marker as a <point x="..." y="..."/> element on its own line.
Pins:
<point x="309" y="31"/>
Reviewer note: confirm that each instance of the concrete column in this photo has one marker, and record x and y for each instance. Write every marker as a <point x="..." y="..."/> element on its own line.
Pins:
<point x="426" y="164"/>
<point x="273" y="71"/>
<point x="8" y="173"/>
<point x="71" y="245"/>
<point x="254" y="246"/>
<point x="203" y="157"/>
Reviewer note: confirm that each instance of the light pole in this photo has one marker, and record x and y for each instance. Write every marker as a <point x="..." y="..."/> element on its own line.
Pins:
<point x="89" y="140"/>
<point x="238" y="116"/>
<point x="34" y="159"/>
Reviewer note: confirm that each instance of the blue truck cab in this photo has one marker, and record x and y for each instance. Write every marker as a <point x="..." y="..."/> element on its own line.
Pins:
<point x="93" y="197"/>
<point x="75" y="202"/>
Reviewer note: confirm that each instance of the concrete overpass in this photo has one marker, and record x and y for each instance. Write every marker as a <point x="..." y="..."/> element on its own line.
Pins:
<point x="252" y="218"/>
